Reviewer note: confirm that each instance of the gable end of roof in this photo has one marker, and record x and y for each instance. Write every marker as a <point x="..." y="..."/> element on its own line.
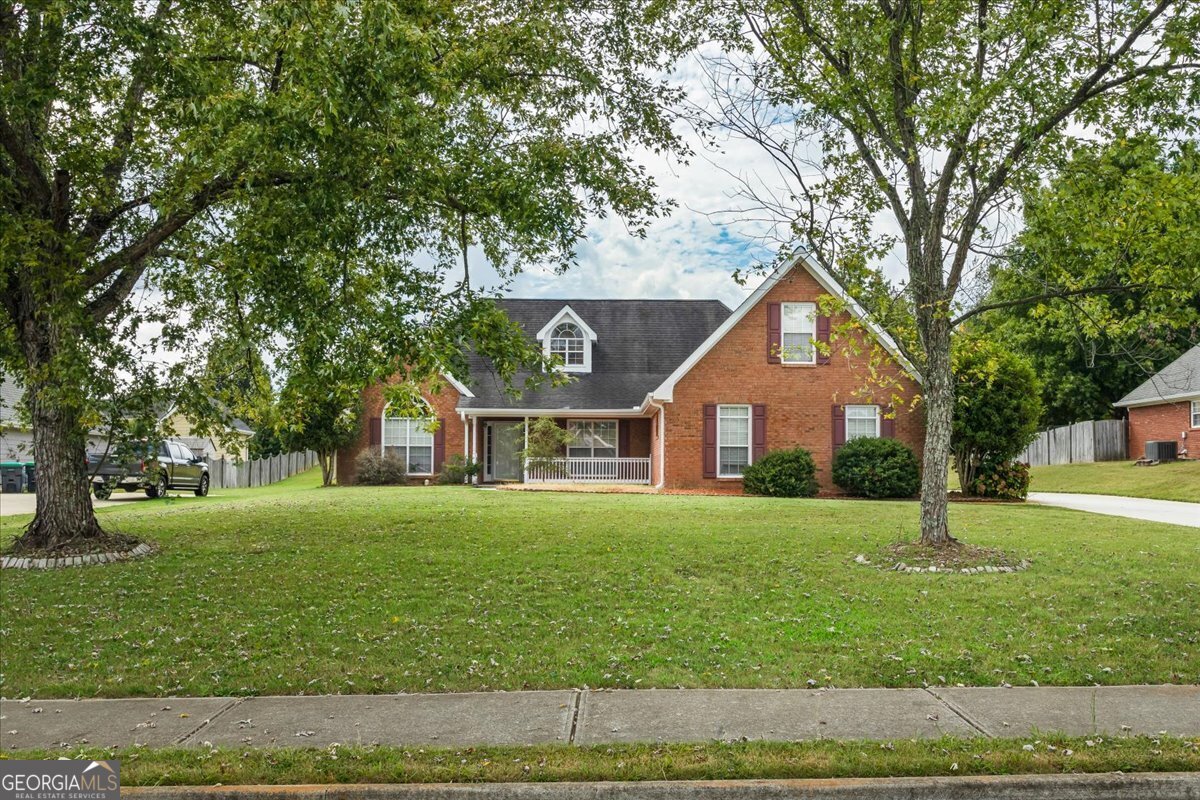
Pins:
<point x="830" y="284"/>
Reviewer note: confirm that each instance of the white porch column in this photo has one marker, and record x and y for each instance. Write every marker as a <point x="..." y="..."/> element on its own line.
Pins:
<point x="662" y="447"/>
<point x="475" y="447"/>
<point x="524" y="462"/>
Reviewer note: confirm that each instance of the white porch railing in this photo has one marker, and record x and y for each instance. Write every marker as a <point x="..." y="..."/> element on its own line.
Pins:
<point x="590" y="470"/>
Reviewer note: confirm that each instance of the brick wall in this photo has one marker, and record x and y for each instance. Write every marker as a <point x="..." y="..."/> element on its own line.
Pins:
<point x="1164" y="422"/>
<point x="442" y="403"/>
<point x="799" y="398"/>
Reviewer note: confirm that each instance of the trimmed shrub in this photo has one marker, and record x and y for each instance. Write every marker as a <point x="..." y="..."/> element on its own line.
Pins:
<point x="457" y="469"/>
<point x="877" y="468"/>
<point x="997" y="405"/>
<point x="782" y="473"/>
<point x="373" y="469"/>
<point x="1004" y="480"/>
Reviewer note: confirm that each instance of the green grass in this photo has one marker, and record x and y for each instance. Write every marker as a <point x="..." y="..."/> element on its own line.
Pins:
<point x="1179" y="480"/>
<point x="710" y="761"/>
<point x="295" y="589"/>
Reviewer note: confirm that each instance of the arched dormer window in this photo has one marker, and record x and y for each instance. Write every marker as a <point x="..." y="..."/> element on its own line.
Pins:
<point x="569" y="338"/>
<point x="410" y="439"/>
<point x="566" y="342"/>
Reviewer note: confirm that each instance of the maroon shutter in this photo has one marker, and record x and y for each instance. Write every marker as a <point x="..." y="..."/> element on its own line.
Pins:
<point x="623" y="438"/>
<point x="710" y="441"/>
<point x="774" y="332"/>
<point x="758" y="448"/>
<point x="375" y="431"/>
<point x="439" y="446"/>
<point x="823" y="336"/>
<point x="887" y="425"/>
<point x="839" y="427"/>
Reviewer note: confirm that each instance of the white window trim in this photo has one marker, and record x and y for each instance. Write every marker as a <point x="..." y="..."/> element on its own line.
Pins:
<point x="432" y="444"/>
<point x="567" y="314"/>
<point x="878" y="420"/>
<point x="616" y="444"/>
<point x="811" y="309"/>
<point x="1195" y="414"/>
<point x="749" y="437"/>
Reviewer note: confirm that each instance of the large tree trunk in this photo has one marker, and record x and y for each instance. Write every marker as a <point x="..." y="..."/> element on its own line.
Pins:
<point x="64" y="516"/>
<point x="939" y="413"/>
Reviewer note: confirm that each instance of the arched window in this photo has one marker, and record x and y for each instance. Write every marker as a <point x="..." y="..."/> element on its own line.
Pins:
<point x="566" y="342"/>
<point x="409" y="439"/>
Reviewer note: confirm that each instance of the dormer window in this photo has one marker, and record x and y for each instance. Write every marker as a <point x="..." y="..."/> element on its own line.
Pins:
<point x="569" y="338"/>
<point x="566" y="342"/>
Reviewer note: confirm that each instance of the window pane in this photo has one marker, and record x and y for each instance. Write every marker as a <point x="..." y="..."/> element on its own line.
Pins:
<point x="391" y="432"/>
<point x="797" y="347"/>
<point x="862" y="421"/>
<point x="420" y="459"/>
<point x="417" y="433"/>
<point x="733" y="460"/>
<point x="798" y="317"/>
<point x="604" y="434"/>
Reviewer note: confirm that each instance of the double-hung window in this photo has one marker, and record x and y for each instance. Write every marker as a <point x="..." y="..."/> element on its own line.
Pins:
<point x="862" y="422"/>
<point x="733" y="440"/>
<point x="1196" y="413"/>
<point x="798" y="331"/>
<point x="411" y="441"/>
<point x="593" y="438"/>
<point x="566" y="342"/>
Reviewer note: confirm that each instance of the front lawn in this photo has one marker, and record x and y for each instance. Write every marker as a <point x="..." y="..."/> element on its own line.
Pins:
<point x="1178" y="480"/>
<point x="359" y="590"/>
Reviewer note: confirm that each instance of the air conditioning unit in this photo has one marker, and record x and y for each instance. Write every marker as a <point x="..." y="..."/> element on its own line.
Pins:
<point x="1161" y="451"/>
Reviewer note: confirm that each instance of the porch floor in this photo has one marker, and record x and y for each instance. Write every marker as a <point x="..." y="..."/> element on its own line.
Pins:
<point x="593" y="488"/>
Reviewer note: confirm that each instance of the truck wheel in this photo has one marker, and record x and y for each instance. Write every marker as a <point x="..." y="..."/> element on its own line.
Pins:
<point x="159" y="488"/>
<point x="202" y="489"/>
<point x="102" y="491"/>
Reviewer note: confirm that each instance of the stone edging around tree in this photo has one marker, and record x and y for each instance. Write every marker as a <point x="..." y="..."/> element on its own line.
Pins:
<point x="24" y="562"/>
<point x="902" y="567"/>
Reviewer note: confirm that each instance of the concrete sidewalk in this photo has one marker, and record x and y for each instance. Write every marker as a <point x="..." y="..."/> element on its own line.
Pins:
<point x="601" y="717"/>
<point x="1169" y="511"/>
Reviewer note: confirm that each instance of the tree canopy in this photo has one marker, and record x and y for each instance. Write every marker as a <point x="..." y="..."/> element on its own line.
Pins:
<point x="1122" y="215"/>
<point x="172" y="169"/>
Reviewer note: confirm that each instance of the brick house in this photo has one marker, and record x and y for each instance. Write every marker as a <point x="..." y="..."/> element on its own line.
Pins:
<point x="1166" y="407"/>
<point x="670" y="393"/>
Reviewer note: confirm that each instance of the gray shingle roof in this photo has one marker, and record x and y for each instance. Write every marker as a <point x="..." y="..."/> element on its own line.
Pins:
<point x="1177" y="380"/>
<point x="639" y="343"/>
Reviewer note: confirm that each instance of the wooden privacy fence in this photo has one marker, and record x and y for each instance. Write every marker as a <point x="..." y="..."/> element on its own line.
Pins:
<point x="1081" y="443"/>
<point x="224" y="473"/>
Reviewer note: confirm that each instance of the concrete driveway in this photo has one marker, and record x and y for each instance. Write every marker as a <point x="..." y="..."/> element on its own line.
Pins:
<point x="1169" y="511"/>
<point x="25" y="503"/>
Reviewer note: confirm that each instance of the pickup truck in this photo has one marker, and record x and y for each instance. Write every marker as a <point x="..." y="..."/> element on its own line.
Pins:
<point x="153" y="469"/>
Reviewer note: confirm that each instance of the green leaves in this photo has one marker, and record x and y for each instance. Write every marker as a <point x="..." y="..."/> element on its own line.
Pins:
<point x="1123" y="217"/>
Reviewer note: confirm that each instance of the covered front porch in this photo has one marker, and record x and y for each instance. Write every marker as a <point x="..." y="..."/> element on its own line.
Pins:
<point x="601" y="451"/>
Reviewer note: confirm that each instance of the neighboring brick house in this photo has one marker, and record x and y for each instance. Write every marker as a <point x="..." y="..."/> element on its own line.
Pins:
<point x="1166" y="407"/>
<point x="671" y="393"/>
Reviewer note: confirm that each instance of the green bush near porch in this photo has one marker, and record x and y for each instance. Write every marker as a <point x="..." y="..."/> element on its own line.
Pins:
<point x="782" y="473"/>
<point x="877" y="468"/>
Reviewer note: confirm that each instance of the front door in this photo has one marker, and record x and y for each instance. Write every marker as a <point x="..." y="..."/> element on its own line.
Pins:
<point x="505" y="440"/>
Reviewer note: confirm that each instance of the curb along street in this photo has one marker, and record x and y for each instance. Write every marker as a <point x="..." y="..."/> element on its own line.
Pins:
<point x="1103" y="786"/>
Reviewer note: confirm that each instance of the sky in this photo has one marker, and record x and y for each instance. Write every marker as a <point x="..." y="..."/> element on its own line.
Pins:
<point x="686" y="255"/>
